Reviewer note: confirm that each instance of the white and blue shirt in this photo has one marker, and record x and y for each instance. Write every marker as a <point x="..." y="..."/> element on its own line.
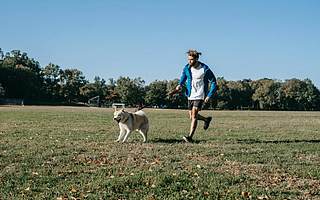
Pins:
<point x="197" y="83"/>
<point x="193" y="83"/>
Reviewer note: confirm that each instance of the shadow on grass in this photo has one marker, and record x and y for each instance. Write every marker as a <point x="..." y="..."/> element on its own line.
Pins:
<point x="254" y="141"/>
<point x="173" y="141"/>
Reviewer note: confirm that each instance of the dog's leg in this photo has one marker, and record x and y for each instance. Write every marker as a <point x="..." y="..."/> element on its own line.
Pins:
<point x="144" y="131"/>
<point x="144" y="135"/>
<point x="121" y="134"/>
<point x="126" y="136"/>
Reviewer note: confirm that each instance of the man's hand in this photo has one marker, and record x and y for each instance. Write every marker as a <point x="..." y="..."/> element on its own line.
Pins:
<point x="206" y="100"/>
<point x="177" y="90"/>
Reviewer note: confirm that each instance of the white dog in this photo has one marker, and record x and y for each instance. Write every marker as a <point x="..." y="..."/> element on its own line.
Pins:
<point x="129" y="122"/>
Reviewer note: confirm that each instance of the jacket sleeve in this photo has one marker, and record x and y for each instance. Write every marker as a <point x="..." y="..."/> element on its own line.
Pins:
<point x="183" y="77"/>
<point x="213" y="83"/>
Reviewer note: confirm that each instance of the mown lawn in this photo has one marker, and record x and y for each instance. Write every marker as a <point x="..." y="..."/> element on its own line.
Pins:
<point x="70" y="153"/>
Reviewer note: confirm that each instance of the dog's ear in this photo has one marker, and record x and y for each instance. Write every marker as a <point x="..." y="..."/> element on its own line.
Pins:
<point x="122" y="110"/>
<point x="115" y="108"/>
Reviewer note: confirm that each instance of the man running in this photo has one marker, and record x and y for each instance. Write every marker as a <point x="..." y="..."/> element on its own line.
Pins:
<point x="198" y="77"/>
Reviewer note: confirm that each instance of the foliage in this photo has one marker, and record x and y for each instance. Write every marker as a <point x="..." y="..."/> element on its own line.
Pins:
<point x="22" y="77"/>
<point x="156" y="93"/>
<point x="266" y="94"/>
<point x="52" y="78"/>
<point x="97" y="88"/>
<point x="240" y="94"/>
<point x="223" y="94"/>
<point x="131" y="91"/>
<point x="113" y="95"/>
<point x="177" y="100"/>
<point x="2" y="91"/>
<point x="72" y="80"/>
<point x="300" y="95"/>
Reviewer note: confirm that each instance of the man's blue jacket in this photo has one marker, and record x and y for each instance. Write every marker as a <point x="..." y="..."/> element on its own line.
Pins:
<point x="209" y="78"/>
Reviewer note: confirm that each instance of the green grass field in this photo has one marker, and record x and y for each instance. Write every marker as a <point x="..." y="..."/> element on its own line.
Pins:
<point x="70" y="153"/>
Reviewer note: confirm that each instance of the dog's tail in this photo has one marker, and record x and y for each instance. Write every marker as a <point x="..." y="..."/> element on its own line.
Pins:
<point x="139" y="107"/>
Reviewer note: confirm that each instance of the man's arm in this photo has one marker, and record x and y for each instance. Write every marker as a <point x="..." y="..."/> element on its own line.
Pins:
<point x="183" y="77"/>
<point x="213" y="84"/>
<point x="182" y="80"/>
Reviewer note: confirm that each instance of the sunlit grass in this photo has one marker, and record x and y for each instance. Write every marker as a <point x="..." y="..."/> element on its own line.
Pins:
<point x="66" y="152"/>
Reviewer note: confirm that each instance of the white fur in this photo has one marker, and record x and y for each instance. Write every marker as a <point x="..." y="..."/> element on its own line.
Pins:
<point x="129" y="122"/>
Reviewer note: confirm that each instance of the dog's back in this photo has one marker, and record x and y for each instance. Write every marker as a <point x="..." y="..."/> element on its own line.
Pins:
<point x="141" y="120"/>
<point x="140" y="112"/>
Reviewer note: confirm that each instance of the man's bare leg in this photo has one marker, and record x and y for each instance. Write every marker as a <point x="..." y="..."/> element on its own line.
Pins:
<point x="194" y="117"/>
<point x="194" y="121"/>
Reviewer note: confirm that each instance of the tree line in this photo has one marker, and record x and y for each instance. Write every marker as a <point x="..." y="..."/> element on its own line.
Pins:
<point x="23" y="78"/>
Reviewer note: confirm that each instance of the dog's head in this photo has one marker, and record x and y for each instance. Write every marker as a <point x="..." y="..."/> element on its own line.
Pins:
<point x="119" y="115"/>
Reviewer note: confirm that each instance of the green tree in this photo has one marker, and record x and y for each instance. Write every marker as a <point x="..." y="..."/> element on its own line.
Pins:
<point x="71" y="82"/>
<point x="312" y="95"/>
<point x="2" y="91"/>
<point x="51" y="77"/>
<point x="240" y="94"/>
<point x="16" y="58"/>
<point x="1" y="56"/>
<point x="266" y="94"/>
<point x="223" y="99"/>
<point x="97" y="88"/>
<point x="112" y="96"/>
<point x="235" y="92"/>
<point x="20" y="76"/>
<point x="131" y="91"/>
<point x="178" y="100"/>
<point x="299" y="95"/>
<point x="156" y="93"/>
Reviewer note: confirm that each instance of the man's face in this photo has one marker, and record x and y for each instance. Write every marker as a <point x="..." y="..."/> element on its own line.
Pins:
<point x="192" y="60"/>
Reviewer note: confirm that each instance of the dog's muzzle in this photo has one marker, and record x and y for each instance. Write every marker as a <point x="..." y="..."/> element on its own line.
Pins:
<point x="117" y="119"/>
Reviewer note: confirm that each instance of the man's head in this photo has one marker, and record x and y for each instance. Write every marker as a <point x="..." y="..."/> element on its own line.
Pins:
<point x="193" y="57"/>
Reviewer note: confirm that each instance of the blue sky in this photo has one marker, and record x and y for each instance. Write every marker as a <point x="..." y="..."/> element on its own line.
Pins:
<point x="255" y="39"/>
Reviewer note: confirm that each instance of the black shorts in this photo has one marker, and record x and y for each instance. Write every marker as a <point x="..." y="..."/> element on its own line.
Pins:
<point x="195" y="103"/>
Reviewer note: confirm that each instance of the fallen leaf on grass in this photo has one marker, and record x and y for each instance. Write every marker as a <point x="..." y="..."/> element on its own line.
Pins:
<point x="264" y="197"/>
<point x="121" y="174"/>
<point x="62" y="198"/>
<point x="246" y="195"/>
<point x="152" y="197"/>
<point x="73" y="190"/>
<point x="155" y="162"/>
